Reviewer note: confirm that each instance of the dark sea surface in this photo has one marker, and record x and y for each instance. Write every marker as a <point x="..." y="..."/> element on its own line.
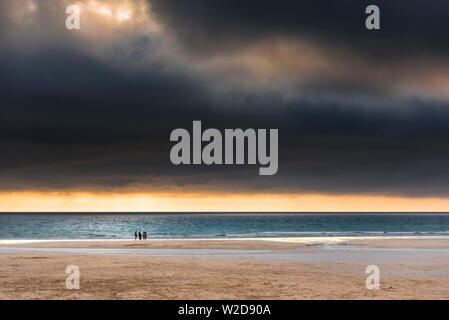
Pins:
<point x="218" y="225"/>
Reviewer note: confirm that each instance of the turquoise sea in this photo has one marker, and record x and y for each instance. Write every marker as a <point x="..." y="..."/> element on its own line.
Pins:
<point x="218" y="225"/>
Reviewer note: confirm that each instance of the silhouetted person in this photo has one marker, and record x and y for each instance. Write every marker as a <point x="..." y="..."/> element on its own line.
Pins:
<point x="140" y="236"/>
<point x="135" y="235"/>
<point x="144" y="235"/>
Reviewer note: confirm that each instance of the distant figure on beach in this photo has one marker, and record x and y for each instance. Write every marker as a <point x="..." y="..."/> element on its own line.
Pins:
<point x="144" y="235"/>
<point x="135" y="235"/>
<point x="140" y="236"/>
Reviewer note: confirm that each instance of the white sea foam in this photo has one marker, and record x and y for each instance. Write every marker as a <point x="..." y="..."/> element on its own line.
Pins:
<point x="307" y="240"/>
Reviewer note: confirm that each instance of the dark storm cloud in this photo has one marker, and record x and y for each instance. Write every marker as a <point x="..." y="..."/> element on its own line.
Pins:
<point x="407" y="28"/>
<point x="73" y="120"/>
<point x="320" y="48"/>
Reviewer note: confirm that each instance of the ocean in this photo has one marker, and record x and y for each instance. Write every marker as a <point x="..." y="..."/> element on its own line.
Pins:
<point x="218" y="225"/>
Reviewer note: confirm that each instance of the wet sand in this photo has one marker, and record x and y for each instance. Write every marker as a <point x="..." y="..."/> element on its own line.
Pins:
<point x="411" y="268"/>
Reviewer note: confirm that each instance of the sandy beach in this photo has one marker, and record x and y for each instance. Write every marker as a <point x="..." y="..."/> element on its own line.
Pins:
<point x="285" y="268"/>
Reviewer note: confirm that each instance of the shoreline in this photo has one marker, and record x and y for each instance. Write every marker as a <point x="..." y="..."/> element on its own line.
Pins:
<point x="306" y="240"/>
<point x="404" y="243"/>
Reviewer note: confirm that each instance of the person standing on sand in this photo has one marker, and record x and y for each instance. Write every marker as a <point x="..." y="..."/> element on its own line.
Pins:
<point x="135" y="236"/>
<point x="144" y="235"/>
<point x="140" y="236"/>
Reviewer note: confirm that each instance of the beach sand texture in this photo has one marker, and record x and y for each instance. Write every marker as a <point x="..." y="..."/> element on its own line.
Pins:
<point x="411" y="268"/>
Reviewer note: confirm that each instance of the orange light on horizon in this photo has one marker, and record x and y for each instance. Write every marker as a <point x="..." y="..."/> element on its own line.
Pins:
<point x="211" y="202"/>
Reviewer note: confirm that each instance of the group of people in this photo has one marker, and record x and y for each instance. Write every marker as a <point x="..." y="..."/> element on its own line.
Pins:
<point x="140" y="235"/>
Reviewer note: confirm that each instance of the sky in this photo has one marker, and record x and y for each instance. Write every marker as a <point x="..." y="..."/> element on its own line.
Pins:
<point x="86" y="115"/>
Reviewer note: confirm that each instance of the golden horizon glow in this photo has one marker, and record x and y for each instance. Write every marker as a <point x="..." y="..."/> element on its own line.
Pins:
<point x="212" y="202"/>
